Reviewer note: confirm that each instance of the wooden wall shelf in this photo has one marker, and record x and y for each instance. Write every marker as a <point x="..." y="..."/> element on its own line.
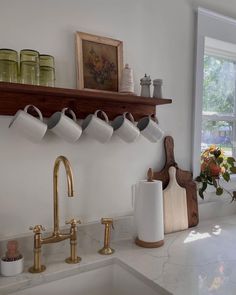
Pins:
<point x="83" y="102"/>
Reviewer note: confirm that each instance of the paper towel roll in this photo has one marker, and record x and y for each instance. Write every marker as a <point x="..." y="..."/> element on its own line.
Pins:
<point x="149" y="211"/>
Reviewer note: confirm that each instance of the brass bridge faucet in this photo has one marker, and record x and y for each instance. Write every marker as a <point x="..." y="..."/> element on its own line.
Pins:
<point x="56" y="236"/>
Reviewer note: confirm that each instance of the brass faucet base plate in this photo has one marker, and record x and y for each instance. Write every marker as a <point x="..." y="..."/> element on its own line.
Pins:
<point x="33" y="270"/>
<point x="70" y="261"/>
<point x="106" y="251"/>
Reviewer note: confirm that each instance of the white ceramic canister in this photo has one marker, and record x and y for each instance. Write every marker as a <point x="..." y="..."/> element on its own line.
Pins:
<point x="12" y="268"/>
<point x="127" y="80"/>
<point x="157" y="90"/>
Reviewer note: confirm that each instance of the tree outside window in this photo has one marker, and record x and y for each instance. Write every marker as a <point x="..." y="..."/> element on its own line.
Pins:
<point x="218" y="124"/>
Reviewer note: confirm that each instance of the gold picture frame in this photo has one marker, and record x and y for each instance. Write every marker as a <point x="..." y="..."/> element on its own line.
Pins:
<point x="99" y="62"/>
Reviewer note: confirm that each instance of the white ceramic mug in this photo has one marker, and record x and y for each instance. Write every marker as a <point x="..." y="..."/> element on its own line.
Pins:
<point x="97" y="128"/>
<point x="149" y="128"/>
<point x="29" y="126"/>
<point x="125" y="128"/>
<point x="65" y="127"/>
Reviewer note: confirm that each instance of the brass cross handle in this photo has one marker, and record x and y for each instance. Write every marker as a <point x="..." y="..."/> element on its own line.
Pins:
<point x="73" y="241"/>
<point x="37" y="228"/>
<point x="73" y="222"/>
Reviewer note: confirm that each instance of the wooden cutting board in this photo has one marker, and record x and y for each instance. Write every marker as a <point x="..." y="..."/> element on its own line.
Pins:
<point x="184" y="180"/>
<point x="175" y="205"/>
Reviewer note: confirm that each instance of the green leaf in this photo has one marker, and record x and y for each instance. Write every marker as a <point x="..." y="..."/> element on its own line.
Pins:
<point x="226" y="176"/>
<point x="210" y="179"/>
<point x="219" y="191"/>
<point x="198" y="179"/>
<point x="226" y="166"/>
<point x="233" y="169"/>
<point x="204" y="186"/>
<point x="230" y="160"/>
<point x="214" y="182"/>
<point x="220" y="160"/>
<point x="202" y="175"/>
<point x="201" y="193"/>
<point x="217" y="153"/>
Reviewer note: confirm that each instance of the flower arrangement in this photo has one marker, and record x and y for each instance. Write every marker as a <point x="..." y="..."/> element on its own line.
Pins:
<point x="214" y="166"/>
<point x="100" y="67"/>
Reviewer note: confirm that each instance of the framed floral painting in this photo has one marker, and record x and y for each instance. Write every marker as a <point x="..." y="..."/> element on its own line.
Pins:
<point x="99" y="62"/>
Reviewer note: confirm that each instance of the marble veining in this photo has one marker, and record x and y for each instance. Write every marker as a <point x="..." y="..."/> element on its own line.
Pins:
<point x="197" y="261"/>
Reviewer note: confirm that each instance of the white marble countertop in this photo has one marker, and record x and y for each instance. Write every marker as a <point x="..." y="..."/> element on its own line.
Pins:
<point x="200" y="261"/>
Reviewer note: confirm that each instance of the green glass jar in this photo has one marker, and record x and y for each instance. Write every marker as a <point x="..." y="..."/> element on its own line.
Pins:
<point x="46" y="60"/>
<point x="47" y="76"/>
<point x="8" y="71"/>
<point x="8" y="65"/>
<point x="29" y="72"/>
<point x="8" y="54"/>
<point x="29" y="55"/>
<point x="29" y="67"/>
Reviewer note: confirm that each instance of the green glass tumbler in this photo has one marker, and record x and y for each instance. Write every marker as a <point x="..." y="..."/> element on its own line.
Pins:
<point x="8" y="65"/>
<point x="29" y="72"/>
<point x="46" y="60"/>
<point x="8" y="71"/>
<point x="29" y="55"/>
<point x="47" y="76"/>
<point x="29" y="67"/>
<point x="8" y="54"/>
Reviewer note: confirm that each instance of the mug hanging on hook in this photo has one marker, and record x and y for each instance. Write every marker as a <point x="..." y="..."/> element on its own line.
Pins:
<point x="149" y="128"/>
<point x="65" y="127"/>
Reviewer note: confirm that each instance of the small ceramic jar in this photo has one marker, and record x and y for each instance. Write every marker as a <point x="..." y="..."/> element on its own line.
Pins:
<point x="12" y="268"/>
<point x="12" y="263"/>
<point x="127" y="80"/>
<point x="145" y="83"/>
<point x="157" y="91"/>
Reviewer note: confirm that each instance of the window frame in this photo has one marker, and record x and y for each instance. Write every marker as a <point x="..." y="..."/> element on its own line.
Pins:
<point x="215" y="52"/>
<point x="215" y="26"/>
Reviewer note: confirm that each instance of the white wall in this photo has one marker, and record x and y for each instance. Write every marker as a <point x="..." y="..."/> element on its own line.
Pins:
<point x="158" y="39"/>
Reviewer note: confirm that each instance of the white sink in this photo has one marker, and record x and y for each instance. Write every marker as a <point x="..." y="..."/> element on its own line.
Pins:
<point x="111" y="277"/>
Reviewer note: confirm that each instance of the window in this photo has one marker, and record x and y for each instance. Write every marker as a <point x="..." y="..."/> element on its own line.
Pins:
<point x="218" y="106"/>
<point x="215" y="88"/>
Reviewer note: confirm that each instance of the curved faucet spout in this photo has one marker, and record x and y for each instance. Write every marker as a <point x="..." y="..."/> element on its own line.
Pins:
<point x="56" y="235"/>
<point x="70" y="185"/>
